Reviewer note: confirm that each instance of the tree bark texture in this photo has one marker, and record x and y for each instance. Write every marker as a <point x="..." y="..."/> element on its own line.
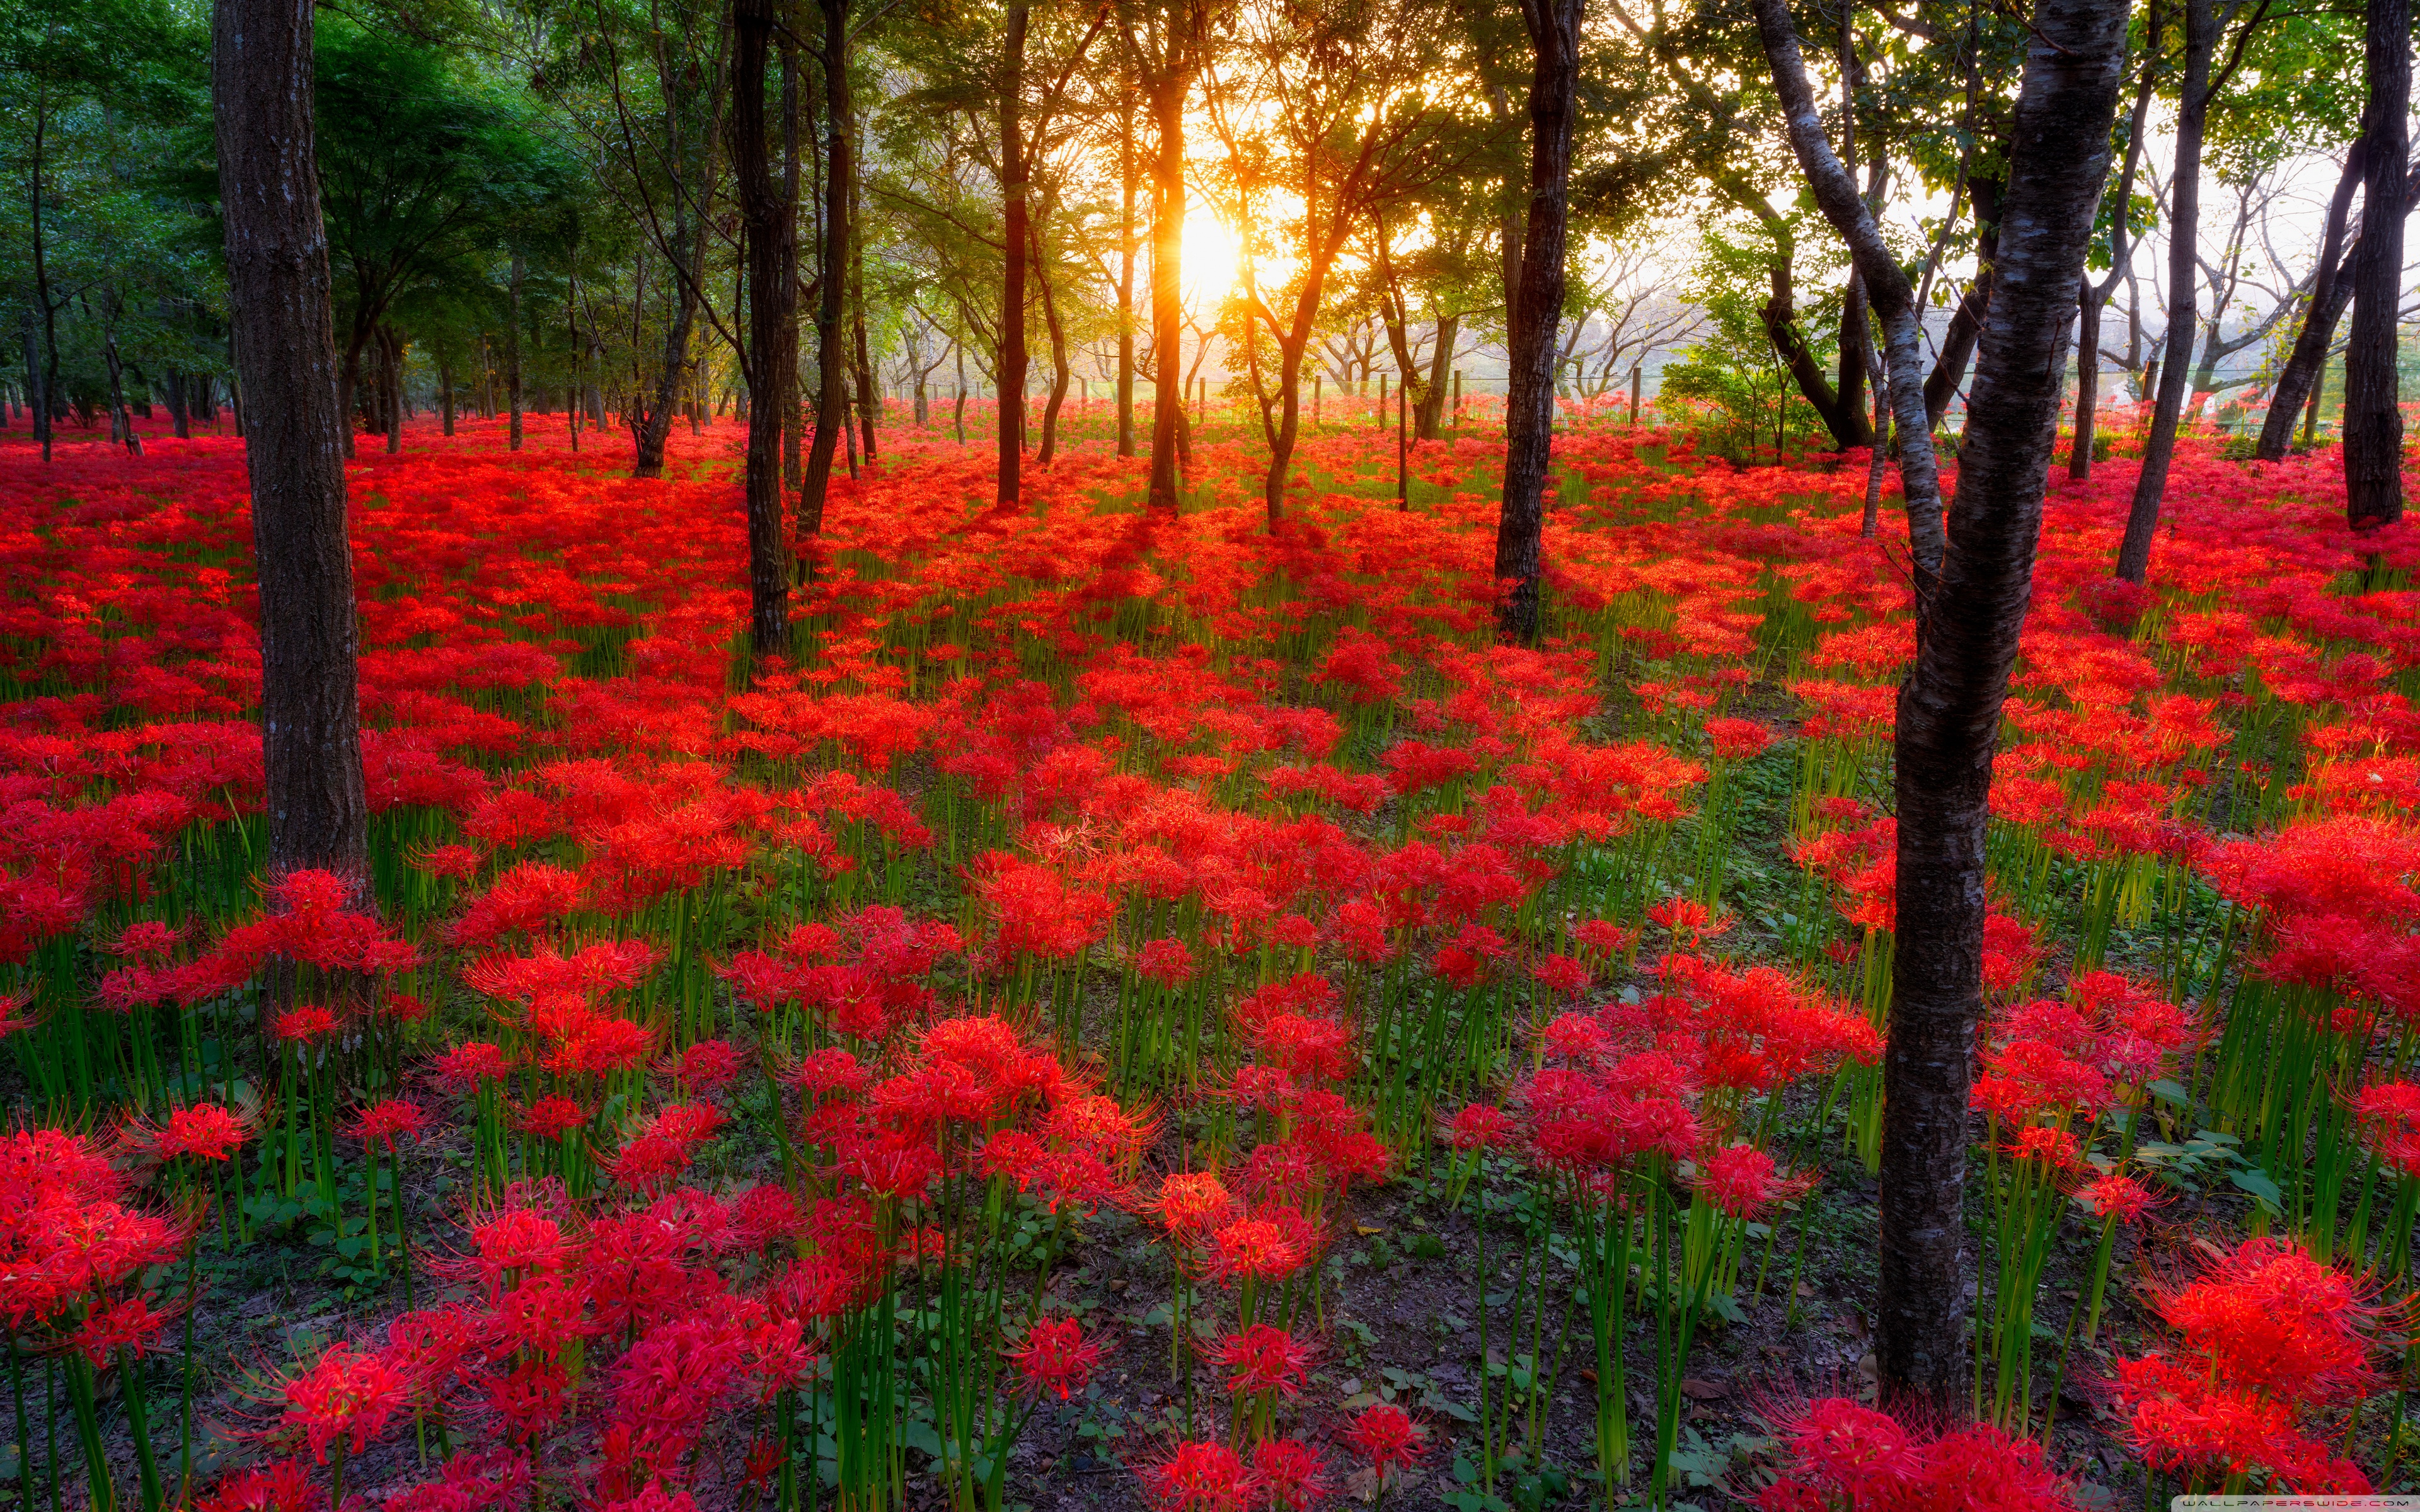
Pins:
<point x="2331" y="291"/>
<point x="2373" y="423"/>
<point x="2184" y="273"/>
<point x="1884" y="283"/>
<point x="1553" y="27"/>
<point x="772" y="302"/>
<point x="1949" y="705"/>
<point x="279" y="302"/>
<point x="1014" y="239"/>
<point x="832" y="366"/>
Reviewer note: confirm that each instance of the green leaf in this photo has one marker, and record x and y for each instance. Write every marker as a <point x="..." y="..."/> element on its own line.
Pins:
<point x="2170" y="1094"/>
<point x="2260" y="1186"/>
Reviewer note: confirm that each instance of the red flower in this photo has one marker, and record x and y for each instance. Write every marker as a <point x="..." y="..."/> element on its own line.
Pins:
<point x="1197" y="1478"/>
<point x="1056" y="1358"/>
<point x="1386" y="1435"/>
<point x="383" y="1123"/>
<point x="1264" y="1358"/>
<point x="344" y="1394"/>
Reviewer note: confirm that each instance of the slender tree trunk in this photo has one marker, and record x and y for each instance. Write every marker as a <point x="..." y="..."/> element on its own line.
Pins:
<point x="1879" y="278"/>
<point x="831" y="399"/>
<point x="445" y="394"/>
<point x="41" y="381"/>
<point x="1966" y="322"/>
<point x="2331" y="291"/>
<point x="513" y="353"/>
<point x="1128" y="246"/>
<point x="37" y="393"/>
<point x="391" y="379"/>
<point x="278" y="295"/>
<point x="180" y="416"/>
<point x="1949" y="705"/>
<point x="793" y="463"/>
<point x="1059" y="370"/>
<point x="1015" y="239"/>
<point x="2373" y="421"/>
<point x="869" y="386"/>
<point x="1169" y="90"/>
<point x="1846" y="425"/>
<point x="1553" y="27"/>
<point x="771" y="299"/>
<point x="2184" y="272"/>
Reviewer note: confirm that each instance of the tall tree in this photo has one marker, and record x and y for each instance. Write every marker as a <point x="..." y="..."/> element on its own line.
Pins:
<point x="1884" y="281"/>
<point x="772" y="325"/>
<point x="2373" y="421"/>
<point x="831" y="284"/>
<point x="1015" y="241"/>
<point x="1553" y="27"/>
<point x="2095" y="298"/>
<point x="1951" y="701"/>
<point x="1167" y="53"/>
<point x="279" y="305"/>
<point x="2205" y="25"/>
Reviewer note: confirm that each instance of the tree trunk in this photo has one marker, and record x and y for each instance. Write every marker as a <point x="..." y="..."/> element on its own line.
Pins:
<point x="832" y="398"/>
<point x="1949" y="705"/>
<point x="869" y="388"/>
<point x="278" y="298"/>
<point x="771" y="299"/>
<point x="1169" y="90"/>
<point x="391" y="383"/>
<point x="1013" y="242"/>
<point x="513" y="354"/>
<point x="1848" y="426"/>
<point x="445" y="394"/>
<point x="793" y="463"/>
<point x="1957" y="342"/>
<point x="2185" y="220"/>
<point x="1127" y="176"/>
<point x="180" y="416"/>
<point x="2331" y="291"/>
<point x="1059" y="367"/>
<point x="1878" y="278"/>
<point x="1553" y="27"/>
<point x="37" y="393"/>
<point x="2373" y="423"/>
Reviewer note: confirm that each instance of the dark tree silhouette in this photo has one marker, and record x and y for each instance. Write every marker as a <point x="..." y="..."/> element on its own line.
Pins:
<point x="1553" y="27"/>
<point x="294" y="438"/>
<point x="1949" y="705"/>
<point x="2373" y="423"/>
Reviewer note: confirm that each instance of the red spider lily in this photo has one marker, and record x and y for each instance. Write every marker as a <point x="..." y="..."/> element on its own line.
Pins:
<point x="1263" y="1358"/>
<point x="1840" y="1454"/>
<point x="383" y="1123"/>
<point x="282" y="1487"/>
<point x="708" y="1066"/>
<point x="470" y="1063"/>
<point x="343" y="1396"/>
<point x="205" y="1130"/>
<point x="1478" y="1126"/>
<point x="1056" y="1358"/>
<point x="2390" y="1119"/>
<point x="1255" y="1249"/>
<point x="1197" y="1478"/>
<point x="1385" y="1435"/>
<point x="1193" y="1205"/>
<point x="127" y="1324"/>
<point x="1287" y="1475"/>
<point x="2119" y="1196"/>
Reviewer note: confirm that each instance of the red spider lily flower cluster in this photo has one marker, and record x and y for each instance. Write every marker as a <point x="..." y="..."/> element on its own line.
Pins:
<point x="1841" y="1457"/>
<point x="2266" y="1338"/>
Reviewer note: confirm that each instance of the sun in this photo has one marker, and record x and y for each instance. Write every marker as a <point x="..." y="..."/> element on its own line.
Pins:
<point x="1213" y="260"/>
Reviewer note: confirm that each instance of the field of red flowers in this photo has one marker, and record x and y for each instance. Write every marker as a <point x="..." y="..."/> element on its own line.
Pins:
<point x="1151" y="1012"/>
